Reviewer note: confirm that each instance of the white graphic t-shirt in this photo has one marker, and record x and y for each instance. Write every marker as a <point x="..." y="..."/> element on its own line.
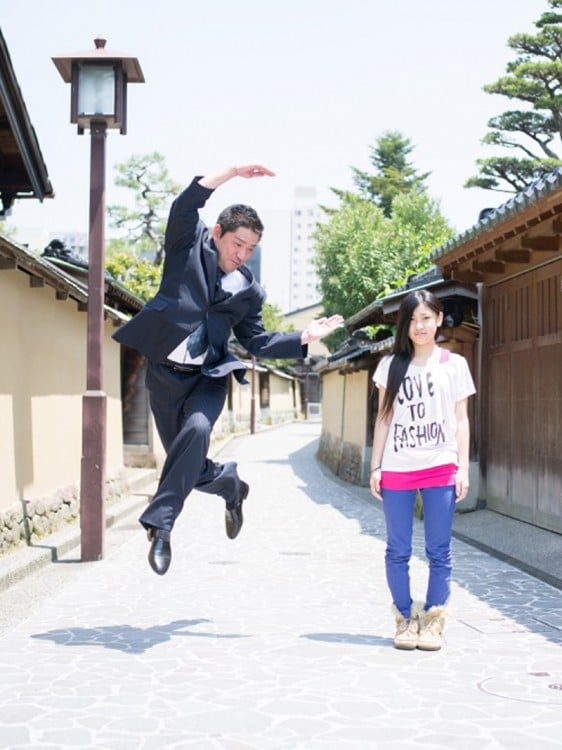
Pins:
<point x="422" y="433"/>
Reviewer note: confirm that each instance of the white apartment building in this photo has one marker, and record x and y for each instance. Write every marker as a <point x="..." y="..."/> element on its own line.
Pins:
<point x="303" y="280"/>
<point x="287" y="265"/>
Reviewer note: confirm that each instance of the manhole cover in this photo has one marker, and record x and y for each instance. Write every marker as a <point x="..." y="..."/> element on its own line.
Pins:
<point x="532" y="687"/>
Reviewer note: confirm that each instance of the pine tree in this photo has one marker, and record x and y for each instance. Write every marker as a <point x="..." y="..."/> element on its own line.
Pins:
<point x="394" y="173"/>
<point x="532" y="133"/>
<point x="148" y="179"/>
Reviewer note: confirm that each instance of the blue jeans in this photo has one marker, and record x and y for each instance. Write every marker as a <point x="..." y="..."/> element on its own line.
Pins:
<point x="438" y="511"/>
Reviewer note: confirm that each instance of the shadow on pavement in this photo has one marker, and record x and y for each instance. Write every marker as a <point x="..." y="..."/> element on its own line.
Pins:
<point x="353" y="638"/>
<point x="54" y="552"/>
<point x="130" y="640"/>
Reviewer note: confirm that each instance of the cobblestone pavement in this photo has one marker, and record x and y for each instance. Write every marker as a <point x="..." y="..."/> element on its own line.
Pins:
<point x="280" y="639"/>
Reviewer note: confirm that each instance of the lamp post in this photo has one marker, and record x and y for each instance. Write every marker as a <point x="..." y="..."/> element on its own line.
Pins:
<point x="98" y="100"/>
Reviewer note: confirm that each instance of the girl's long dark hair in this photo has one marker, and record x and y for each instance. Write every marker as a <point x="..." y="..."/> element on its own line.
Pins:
<point x="403" y="351"/>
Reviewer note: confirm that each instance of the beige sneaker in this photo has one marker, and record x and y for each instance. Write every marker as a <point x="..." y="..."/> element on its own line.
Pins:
<point x="406" y="637"/>
<point x="432" y="624"/>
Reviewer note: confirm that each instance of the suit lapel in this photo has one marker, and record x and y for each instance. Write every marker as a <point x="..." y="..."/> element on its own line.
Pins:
<point x="209" y="261"/>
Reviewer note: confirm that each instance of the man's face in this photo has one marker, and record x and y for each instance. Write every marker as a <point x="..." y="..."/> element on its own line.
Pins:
<point x="235" y="247"/>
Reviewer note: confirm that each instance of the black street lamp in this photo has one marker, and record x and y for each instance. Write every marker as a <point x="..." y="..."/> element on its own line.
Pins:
<point x="98" y="101"/>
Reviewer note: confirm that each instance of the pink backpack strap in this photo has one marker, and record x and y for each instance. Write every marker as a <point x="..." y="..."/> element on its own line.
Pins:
<point x="443" y="355"/>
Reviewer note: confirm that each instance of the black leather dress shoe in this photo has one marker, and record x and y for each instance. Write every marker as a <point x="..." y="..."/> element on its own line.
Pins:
<point x="233" y="516"/>
<point x="160" y="553"/>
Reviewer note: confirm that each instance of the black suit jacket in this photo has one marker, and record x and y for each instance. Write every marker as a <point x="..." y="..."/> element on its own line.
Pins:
<point x="187" y="297"/>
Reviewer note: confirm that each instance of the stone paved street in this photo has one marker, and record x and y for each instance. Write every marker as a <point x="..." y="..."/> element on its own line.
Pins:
<point x="281" y="639"/>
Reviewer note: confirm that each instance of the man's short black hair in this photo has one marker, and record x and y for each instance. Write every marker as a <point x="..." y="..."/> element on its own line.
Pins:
<point x="239" y="215"/>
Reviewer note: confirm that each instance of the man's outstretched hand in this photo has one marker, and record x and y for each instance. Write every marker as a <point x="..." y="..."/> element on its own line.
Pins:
<point x="254" y="170"/>
<point x="320" y="328"/>
<point x="213" y="181"/>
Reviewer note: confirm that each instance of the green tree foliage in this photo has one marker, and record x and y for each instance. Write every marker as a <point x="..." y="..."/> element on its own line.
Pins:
<point x="347" y="261"/>
<point x="532" y="133"/>
<point x="139" y="275"/>
<point x="415" y="228"/>
<point x="273" y="318"/>
<point x="363" y="252"/>
<point x="8" y="230"/>
<point x="394" y="173"/>
<point x="152" y="188"/>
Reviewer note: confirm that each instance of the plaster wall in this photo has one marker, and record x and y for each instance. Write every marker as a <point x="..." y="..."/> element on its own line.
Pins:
<point x="42" y="381"/>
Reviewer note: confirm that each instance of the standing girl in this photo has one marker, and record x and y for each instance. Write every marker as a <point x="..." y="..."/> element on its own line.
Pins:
<point x="421" y="442"/>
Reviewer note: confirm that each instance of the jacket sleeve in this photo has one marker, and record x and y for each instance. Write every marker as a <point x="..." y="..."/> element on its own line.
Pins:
<point x="268" y="344"/>
<point x="184" y="216"/>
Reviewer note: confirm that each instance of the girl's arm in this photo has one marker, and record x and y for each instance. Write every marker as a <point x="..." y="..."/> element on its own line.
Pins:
<point x="382" y="426"/>
<point x="463" y="435"/>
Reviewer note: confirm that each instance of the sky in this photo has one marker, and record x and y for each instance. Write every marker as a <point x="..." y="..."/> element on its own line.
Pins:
<point x="304" y="87"/>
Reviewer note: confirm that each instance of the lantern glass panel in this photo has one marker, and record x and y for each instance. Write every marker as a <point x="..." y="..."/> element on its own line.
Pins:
<point x="96" y="90"/>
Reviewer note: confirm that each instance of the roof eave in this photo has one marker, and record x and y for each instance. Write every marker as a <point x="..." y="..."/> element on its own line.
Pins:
<point x="22" y="129"/>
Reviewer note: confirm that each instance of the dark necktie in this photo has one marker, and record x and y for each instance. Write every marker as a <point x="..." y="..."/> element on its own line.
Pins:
<point x="220" y="294"/>
<point x="198" y="341"/>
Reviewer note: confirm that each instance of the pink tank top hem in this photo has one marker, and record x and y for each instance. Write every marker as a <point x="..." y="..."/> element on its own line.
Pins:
<point x="436" y="476"/>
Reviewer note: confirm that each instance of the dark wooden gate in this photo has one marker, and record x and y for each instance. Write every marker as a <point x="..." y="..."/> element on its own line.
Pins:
<point x="522" y="411"/>
<point x="134" y="396"/>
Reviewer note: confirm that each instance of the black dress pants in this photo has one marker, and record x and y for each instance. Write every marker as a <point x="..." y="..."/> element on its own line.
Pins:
<point x="186" y="407"/>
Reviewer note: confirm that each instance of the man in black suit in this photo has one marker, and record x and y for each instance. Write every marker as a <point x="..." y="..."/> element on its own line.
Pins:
<point x="206" y="292"/>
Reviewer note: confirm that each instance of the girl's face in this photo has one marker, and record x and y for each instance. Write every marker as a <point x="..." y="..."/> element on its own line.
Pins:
<point x="423" y="325"/>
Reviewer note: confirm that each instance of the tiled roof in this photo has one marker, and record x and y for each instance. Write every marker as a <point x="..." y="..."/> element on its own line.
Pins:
<point x="532" y="193"/>
<point x="16" y="257"/>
